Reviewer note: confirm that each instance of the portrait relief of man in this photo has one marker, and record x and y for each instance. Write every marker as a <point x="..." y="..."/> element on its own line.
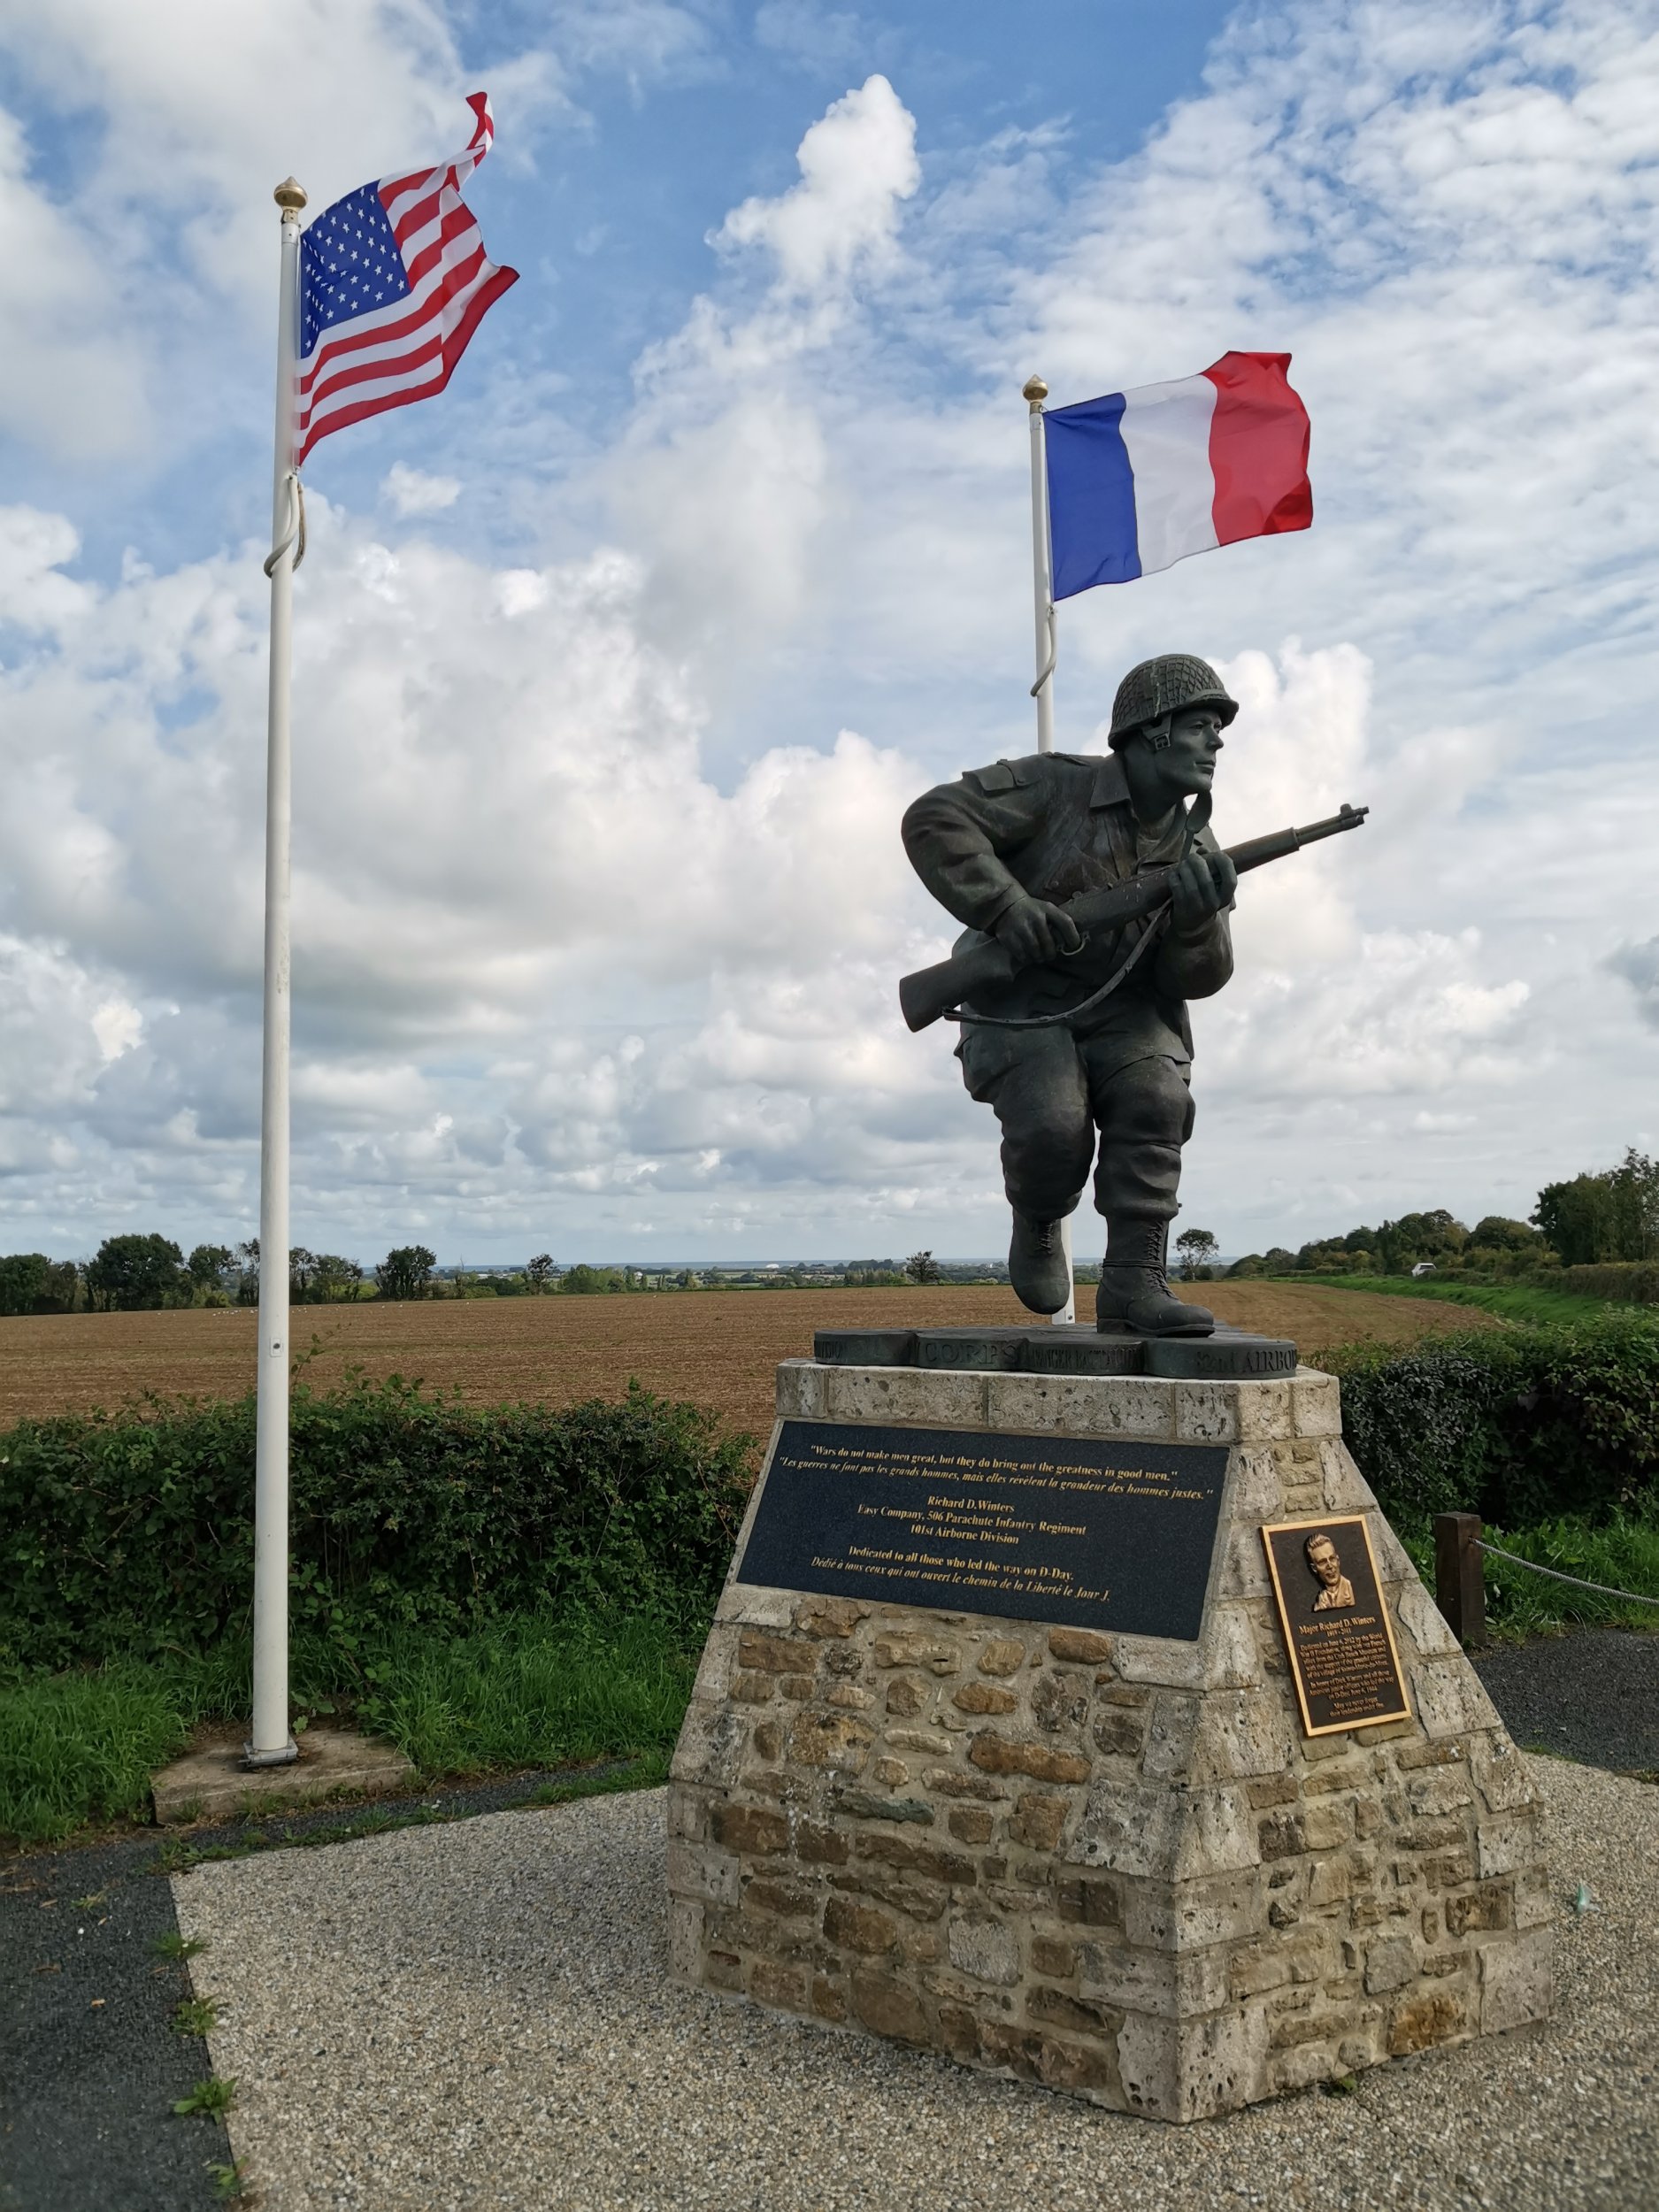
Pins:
<point x="1335" y="1589"/>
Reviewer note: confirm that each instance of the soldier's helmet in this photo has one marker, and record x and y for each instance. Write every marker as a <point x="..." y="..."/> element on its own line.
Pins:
<point x="1154" y="690"/>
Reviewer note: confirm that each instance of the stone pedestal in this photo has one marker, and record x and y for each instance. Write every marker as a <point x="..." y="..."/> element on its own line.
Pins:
<point x="1111" y="1863"/>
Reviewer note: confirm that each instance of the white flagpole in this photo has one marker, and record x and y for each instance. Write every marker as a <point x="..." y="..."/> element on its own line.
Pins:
<point x="271" y="1744"/>
<point x="1034" y="392"/>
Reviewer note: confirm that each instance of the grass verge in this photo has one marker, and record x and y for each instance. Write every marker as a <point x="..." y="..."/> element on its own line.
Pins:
<point x="1623" y="1552"/>
<point x="520" y="1693"/>
<point x="1509" y="1301"/>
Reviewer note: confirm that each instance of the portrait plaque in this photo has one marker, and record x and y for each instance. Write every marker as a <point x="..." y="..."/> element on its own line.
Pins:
<point x="1072" y="1529"/>
<point x="1337" y="1630"/>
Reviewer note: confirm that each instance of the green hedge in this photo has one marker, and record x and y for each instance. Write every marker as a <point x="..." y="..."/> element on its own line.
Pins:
<point x="1625" y="1282"/>
<point x="130" y="1535"/>
<point x="1519" y="1425"/>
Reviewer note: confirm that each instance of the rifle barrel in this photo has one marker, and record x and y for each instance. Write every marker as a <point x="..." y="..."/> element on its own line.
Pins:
<point x="1258" y="851"/>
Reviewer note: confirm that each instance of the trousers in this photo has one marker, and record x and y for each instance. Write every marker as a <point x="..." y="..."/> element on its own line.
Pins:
<point x="1051" y="1093"/>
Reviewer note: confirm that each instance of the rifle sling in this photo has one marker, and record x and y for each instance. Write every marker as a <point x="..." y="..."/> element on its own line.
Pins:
<point x="1120" y="974"/>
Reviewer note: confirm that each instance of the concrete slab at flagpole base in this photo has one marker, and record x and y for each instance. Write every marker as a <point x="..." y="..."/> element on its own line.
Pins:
<point x="211" y="1783"/>
<point x="1118" y="1863"/>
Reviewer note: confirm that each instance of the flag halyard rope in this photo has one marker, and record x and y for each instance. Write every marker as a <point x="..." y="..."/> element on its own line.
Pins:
<point x="296" y="525"/>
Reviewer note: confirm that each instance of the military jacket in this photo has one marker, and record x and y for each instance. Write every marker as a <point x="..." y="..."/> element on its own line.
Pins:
<point x="1055" y="824"/>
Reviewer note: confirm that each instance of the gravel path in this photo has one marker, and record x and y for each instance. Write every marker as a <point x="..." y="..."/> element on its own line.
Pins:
<point x="1593" y="1696"/>
<point x="479" y="2016"/>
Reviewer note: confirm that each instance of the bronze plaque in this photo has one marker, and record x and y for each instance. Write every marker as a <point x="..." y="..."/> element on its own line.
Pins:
<point x="1337" y="1630"/>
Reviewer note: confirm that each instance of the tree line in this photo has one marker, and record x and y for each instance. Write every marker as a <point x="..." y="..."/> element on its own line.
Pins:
<point x="140" y="1272"/>
<point x="145" y="1272"/>
<point x="1606" y="1216"/>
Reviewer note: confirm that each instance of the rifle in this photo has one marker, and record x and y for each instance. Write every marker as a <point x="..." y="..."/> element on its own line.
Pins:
<point x="933" y="993"/>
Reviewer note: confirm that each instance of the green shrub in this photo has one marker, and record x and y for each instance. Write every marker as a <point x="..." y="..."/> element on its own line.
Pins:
<point x="521" y="1691"/>
<point x="82" y="1746"/>
<point x="1518" y="1425"/>
<point x="1625" y="1282"/>
<point x="1621" y="1552"/>
<point x="131" y="1534"/>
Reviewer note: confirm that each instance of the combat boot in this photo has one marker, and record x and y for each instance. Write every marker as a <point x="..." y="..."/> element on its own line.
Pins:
<point x="1037" y="1266"/>
<point x="1134" y="1286"/>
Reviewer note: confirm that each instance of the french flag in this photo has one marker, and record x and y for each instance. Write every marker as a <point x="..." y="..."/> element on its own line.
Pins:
<point x="1140" y="479"/>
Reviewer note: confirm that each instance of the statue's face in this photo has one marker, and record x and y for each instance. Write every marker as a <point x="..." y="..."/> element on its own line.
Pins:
<point x="1322" y="1558"/>
<point x="1189" y="759"/>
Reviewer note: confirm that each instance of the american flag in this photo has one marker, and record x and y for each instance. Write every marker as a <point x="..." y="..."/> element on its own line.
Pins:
<point x="394" y="280"/>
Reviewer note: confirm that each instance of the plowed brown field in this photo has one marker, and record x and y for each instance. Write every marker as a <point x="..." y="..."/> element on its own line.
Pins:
<point x="717" y="1347"/>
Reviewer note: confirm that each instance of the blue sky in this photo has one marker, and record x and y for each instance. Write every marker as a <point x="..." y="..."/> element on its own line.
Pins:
<point x="616" y="664"/>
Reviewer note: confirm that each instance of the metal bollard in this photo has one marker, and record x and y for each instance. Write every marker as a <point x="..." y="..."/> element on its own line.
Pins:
<point x="1460" y="1589"/>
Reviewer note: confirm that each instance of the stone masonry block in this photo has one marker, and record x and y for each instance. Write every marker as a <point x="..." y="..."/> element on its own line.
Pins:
<point x="924" y="1397"/>
<point x="1165" y="1830"/>
<point x="1224" y="1657"/>
<point x="1241" y="1733"/>
<point x="1257" y="1488"/>
<point x="1244" y="1564"/>
<point x="1265" y="1412"/>
<point x="1516" y="1984"/>
<point x="1450" y="1699"/>
<point x="1178" y="1985"/>
<point x="886" y="2006"/>
<point x="719" y="1653"/>
<point x="710" y="1747"/>
<point x="1391" y="1963"/>
<point x="1003" y="1754"/>
<point x="750" y="1828"/>
<point x="1500" y="1773"/>
<point x="1343" y="1489"/>
<point x="1394" y="1562"/>
<point x="831" y="1618"/>
<point x="1506" y="1842"/>
<point x="802" y="1394"/>
<point x="834" y="1741"/>
<point x="1182" y="2070"/>
<point x="1080" y="1647"/>
<point x="702" y="1875"/>
<point x="757" y="1607"/>
<point x="1316" y="1403"/>
<point x="1415" y="1611"/>
<point x="1075" y="1405"/>
<point x="684" y="1938"/>
<point x="775" y="1655"/>
<point x="1189" y="1916"/>
<point x="1208" y="1412"/>
<point x="1172" y="1727"/>
<point x="986" y="1949"/>
<point x="916" y="1647"/>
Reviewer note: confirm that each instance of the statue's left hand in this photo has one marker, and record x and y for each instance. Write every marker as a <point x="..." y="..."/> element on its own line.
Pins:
<point x="1199" y="888"/>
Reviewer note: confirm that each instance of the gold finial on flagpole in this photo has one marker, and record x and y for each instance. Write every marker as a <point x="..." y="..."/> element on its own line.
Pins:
<point x="289" y="196"/>
<point x="1035" y="391"/>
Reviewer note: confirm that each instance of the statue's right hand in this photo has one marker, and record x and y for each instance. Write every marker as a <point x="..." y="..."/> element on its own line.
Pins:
<point x="1031" y="930"/>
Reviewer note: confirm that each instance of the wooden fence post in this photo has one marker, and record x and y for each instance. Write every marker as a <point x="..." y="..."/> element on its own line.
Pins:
<point x="1460" y="1589"/>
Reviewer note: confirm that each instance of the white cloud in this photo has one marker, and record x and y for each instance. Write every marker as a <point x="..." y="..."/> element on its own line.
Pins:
<point x="411" y="492"/>
<point x="856" y="164"/>
<point x="818" y="38"/>
<point x="71" y="379"/>
<point x="118" y="1028"/>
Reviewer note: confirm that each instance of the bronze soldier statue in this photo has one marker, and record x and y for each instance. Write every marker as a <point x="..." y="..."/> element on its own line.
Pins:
<point x="1090" y="1033"/>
